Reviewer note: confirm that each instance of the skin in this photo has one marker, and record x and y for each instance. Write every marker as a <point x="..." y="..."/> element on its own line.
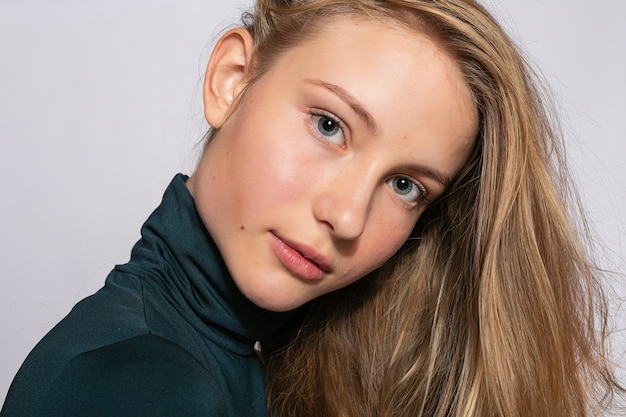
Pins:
<point x="317" y="174"/>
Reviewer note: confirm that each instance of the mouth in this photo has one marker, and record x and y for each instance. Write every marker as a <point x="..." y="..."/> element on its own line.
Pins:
<point x="299" y="259"/>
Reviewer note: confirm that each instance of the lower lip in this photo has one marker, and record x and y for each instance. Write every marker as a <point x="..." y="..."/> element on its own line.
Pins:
<point x="294" y="262"/>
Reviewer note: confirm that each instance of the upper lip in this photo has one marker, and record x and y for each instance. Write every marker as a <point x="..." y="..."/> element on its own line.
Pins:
<point x="308" y="252"/>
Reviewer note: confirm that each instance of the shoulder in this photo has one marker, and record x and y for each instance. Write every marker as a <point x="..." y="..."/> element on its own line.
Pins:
<point x="143" y="375"/>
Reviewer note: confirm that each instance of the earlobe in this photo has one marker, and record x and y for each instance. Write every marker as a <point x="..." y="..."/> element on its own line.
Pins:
<point x="226" y="75"/>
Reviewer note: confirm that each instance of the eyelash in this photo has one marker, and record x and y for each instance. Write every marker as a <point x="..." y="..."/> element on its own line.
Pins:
<point x="331" y="116"/>
<point x="423" y="192"/>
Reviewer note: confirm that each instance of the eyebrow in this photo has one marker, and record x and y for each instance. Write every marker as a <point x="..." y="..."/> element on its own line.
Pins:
<point x="354" y="104"/>
<point x="372" y="127"/>
<point x="438" y="176"/>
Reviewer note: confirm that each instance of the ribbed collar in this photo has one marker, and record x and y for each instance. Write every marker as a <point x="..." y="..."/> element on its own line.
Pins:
<point x="187" y="266"/>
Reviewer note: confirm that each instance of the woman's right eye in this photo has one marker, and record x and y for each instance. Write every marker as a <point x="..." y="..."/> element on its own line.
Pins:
<point x="329" y="127"/>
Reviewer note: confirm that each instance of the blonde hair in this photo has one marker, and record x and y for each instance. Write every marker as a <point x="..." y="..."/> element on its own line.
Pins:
<point x="497" y="310"/>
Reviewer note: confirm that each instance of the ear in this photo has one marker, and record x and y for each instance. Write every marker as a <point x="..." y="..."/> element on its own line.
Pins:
<point x="226" y="75"/>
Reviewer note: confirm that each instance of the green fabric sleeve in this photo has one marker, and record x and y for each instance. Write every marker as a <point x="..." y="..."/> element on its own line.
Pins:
<point x="142" y="376"/>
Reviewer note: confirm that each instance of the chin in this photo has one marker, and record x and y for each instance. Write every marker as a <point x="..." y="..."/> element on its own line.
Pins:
<point x="275" y="301"/>
<point x="276" y="305"/>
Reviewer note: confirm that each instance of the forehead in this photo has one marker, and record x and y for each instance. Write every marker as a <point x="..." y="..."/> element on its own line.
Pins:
<point x="390" y="49"/>
<point x="408" y="81"/>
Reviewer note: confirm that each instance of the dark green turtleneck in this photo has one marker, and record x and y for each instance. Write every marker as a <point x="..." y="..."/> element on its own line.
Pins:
<point x="168" y="335"/>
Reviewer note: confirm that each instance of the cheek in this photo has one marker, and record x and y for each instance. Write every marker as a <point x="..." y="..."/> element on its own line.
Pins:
<point x="387" y="243"/>
<point x="275" y="177"/>
<point x="382" y="241"/>
<point x="259" y="160"/>
<point x="275" y="167"/>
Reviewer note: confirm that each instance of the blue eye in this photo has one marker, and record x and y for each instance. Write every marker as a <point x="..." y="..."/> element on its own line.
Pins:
<point x="330" y="128"/>
<point x="408" y="190"/>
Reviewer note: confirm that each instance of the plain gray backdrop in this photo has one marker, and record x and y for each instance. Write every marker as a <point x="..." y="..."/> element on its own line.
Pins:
<point x="100" y="106"/>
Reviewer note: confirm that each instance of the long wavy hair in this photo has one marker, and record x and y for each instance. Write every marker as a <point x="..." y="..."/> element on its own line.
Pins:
<point x="494" y="308"/>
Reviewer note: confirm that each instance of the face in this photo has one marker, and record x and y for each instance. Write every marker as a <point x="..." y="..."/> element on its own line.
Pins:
<point x="319" y="175"/>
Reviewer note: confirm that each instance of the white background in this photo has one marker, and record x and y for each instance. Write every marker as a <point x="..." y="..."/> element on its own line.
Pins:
<point x="100" y="107"/>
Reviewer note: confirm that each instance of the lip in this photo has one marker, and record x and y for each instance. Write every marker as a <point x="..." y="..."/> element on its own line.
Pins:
<point x="300" y="259"/>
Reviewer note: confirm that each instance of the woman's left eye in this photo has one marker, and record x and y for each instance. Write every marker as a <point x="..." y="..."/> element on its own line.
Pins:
<point x="408" y="190"/>
<point x="329" y="127"/>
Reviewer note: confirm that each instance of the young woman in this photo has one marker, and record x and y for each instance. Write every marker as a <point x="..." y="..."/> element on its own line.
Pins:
<point x="376" y="205"/>
<point x="494" y="309"/>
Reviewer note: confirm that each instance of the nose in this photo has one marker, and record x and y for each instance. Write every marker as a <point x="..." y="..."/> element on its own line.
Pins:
<point x="344" y="206"/>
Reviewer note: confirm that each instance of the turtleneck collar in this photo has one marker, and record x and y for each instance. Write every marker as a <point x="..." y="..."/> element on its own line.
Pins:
<point x="185" y="265"/>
